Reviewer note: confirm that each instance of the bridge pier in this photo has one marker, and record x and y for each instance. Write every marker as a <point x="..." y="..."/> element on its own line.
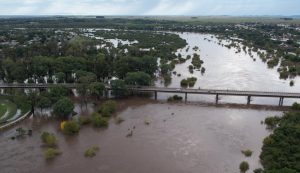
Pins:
<point x="155" y="95"/>
<point x="185" y="98"/>
<point x="248" y="100"/>
<point x="217" y="99"/>
<point x="281" y="101"/>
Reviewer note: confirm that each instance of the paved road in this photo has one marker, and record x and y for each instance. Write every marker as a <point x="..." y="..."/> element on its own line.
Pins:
<point x="173" y="90"/>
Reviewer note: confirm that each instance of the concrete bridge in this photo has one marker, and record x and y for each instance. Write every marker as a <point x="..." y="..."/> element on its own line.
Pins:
<point x="185" y="91"/>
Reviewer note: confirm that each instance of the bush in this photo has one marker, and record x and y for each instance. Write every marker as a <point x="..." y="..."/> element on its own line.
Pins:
<point x="190" y="82"/>
<point x="49" y="139"/>
<point x="108" y="108"/>
<point x="247" y="153"/>
<point x="51" y="153"/>
<point x="175" y="98"/>
<point x="203" y="70"/>
<point x="296" y="106"/>
<point x="244" y="167"/>
<point x="91" y="152"/>
<point x="191" y="68"/>
<point x="272" y="122"/>
<point x="84" y="120"/>
<point x="99" y="121"/>
<point x="184" y="83"/>
<point x="71" y="128"/>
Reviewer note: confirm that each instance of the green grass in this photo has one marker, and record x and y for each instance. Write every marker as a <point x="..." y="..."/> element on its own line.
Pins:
<point x="3" y="109"/>
<point x="10" y="107"/>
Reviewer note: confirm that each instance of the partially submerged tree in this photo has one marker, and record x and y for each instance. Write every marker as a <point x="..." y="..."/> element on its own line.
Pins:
<point x="97" y="89"/>
<point x="63" y="108"/>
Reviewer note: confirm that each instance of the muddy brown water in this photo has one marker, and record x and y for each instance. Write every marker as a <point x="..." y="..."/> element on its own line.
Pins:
<point x="179" y="138"/>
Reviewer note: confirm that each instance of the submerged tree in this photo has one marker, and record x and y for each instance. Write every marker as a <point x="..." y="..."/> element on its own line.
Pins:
<point x="119" y="88"/>
<point x="63" y="108"/>
<point x="138" y="78"/>
<point x="97" y="89"/>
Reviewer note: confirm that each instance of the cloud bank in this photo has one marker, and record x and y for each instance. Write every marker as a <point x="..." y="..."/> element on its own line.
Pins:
<point x="149" y="7"/>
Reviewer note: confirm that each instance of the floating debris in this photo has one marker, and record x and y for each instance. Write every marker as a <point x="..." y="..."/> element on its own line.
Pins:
<point x="129" y="134"/>
<point x="20" y="132"/>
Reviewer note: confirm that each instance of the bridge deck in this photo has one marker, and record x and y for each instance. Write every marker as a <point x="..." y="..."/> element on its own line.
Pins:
<point x="223" y="92"/>
<point x="172" y="90"/>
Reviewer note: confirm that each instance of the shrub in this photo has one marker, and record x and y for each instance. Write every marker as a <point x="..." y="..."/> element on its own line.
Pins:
<point x="184" y="83"/>
<point x="51" y="153"/>
<point x="247" y="153"/>
<point x="188" y="82"/>
<point x="49" y="139"/>
<point x="191" y="81"/>
<point x="108" y="108"/>
<point x="272" y="122"/>
<point x="91" y="152"/>
<point x="244" y="166"/>
<point x="296" y="106"/>
<point x="203" y="70"/>
<point x="175" y="98"/>
<point x="191" y="68"/>
<point x="71" y="128"/>
<point x="84" y="120"/>
<point x="99" y="121"/>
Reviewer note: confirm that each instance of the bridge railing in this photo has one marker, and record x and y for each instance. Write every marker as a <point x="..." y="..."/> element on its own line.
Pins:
<point x="218" y="91"/>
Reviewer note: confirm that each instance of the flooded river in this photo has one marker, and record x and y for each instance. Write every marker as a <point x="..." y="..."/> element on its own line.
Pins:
<point x="179" y="138"/>
<point x="226" y="69"/>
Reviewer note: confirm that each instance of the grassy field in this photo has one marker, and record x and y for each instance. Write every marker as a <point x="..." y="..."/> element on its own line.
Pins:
<point x="3" y="109"/>
<point x="6" y="105"/>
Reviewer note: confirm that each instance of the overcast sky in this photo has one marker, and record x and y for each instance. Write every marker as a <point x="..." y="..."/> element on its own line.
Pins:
<point x="150" y="7"/>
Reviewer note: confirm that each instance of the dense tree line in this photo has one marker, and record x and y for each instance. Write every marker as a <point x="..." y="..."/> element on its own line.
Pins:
<point x="69" y="55"/>
<point x="280" y="152"/>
